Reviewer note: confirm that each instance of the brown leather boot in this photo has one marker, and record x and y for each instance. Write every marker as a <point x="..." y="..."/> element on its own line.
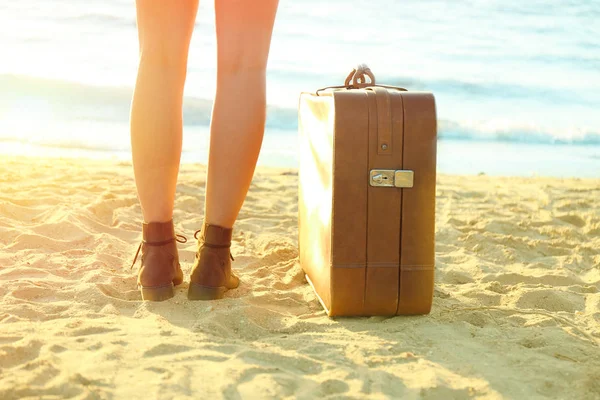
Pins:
<point x="160" y="271"/>
<point x="211" y="274"/>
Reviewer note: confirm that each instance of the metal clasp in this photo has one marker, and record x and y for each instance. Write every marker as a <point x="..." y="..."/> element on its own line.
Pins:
<point x="392" y="178"/>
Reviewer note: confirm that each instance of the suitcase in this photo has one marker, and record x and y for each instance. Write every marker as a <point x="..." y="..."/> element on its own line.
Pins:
<point x="366" y="200"/>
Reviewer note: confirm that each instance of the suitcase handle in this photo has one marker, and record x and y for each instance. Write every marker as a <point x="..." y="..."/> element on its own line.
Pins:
<point x="357" y="76"/>
<point x="357" y="79"/>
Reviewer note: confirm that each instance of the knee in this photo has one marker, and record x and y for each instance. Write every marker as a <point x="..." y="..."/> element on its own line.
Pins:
<point x="242" y="64"/>
<point x="241" y="71"/>
<point x="164" y="56"/>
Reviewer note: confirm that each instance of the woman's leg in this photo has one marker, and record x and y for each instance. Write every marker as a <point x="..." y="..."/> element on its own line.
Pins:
<point x="165" y="29"/>
<point x="244" y="30"/>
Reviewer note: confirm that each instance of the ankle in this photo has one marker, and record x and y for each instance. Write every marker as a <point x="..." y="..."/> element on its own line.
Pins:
<point x="215" y="235"/>
<point x="219" y="223"/>
<point x="158" y="231"/>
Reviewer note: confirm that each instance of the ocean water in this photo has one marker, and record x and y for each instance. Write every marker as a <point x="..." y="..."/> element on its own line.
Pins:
<point x="517" y="84"/>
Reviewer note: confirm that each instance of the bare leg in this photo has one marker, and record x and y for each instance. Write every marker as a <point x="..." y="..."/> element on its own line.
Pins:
<point x="165" y="29"/>
<point x="238" y="120"/>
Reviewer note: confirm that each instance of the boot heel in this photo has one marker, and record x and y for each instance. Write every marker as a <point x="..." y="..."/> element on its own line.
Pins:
<point x="157" y="293"/>
<point x="199" y="292"/>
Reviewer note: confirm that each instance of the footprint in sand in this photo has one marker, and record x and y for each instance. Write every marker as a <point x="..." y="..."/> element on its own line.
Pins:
<point x="165" y="349"/>
<point x="572" y="219"/>
<point x="92" y="330"/>
<point x="17" y="354"/>
<point x="551" y="300"/>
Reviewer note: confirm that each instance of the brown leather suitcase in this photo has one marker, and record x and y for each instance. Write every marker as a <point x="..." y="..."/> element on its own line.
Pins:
<point x="367" y="197"/>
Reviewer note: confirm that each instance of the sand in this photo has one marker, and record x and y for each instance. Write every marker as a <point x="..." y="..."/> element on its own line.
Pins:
<point x="516" y="311"/>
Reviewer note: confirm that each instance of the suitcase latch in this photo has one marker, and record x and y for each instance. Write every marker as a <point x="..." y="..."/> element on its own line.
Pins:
<point x="391" y="178"/>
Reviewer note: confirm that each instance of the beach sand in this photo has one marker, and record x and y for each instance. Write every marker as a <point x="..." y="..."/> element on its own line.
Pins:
<point x="516" y="311"/>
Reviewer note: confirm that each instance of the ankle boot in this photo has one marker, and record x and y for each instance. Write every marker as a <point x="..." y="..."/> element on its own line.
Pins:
<point x="211" y="274"/>
<point x="160" y="271"/>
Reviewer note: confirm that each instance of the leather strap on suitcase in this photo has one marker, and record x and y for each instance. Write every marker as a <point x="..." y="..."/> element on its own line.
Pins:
<point x="383" y="203"/>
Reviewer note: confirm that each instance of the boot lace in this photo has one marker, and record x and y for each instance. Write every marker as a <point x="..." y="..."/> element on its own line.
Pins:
<point x="213" y="246"/>
<point x="177" y="238"/>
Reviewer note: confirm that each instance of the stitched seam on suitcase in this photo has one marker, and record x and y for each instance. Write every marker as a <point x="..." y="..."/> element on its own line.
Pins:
<point x="401" y="206"/>
<point x="348" y="266"/>
<point x="424" y="267"/>
<point x="417" y="267"/>
<point x="369" y="115"/>
<point x="383" y="264"/>
<point x="401" y="267"/>
<point x="404" y="267"/>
